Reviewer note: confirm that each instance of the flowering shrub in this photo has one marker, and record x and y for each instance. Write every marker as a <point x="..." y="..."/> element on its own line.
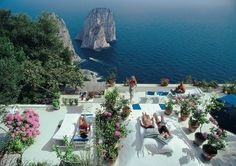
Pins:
<point x="188" y="104"/>
<point x="23" y="128"/>
<point x="110" y="126"/>
<point x="216" y="137"/>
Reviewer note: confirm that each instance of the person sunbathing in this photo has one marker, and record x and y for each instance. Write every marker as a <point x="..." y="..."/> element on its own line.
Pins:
<point x="162" y="126"/>
<point x="84" y="127"/>
<point x="147" y="122"/>
<point x="180" y="88"/>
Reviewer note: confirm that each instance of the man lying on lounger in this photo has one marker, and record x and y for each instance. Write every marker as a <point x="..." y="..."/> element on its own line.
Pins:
<point x="84" y="127"/>
<point x="148" y="122"/>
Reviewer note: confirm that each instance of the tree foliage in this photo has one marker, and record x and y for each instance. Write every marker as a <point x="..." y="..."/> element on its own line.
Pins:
<point x="34" y="63"/>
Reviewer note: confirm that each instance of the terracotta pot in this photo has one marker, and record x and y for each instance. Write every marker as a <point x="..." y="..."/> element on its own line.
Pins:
<point x="168" y="111"/>
<point x="199" y="139"/>
<point x="193" y="125"/>
<point x="208" y="152"/>
<point x="111" y="161"/>
<point x="183" y="116"/>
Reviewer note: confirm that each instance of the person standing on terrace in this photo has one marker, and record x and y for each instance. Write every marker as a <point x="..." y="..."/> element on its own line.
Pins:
<point x="132" y="86"/>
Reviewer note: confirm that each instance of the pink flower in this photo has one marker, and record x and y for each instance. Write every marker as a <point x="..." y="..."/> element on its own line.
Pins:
<point x="205" y="134"/>
<point x="211" y="119"/>
<point x="215" y="122"/>
<point x="23" y="128"/>
<point x="26" y="125"/>
<point x="10" y="117"/>
<point x="117" y="133"/>
<point x="216" y="136"/>
<point x="9" y="126"/>
<point x="29" y="134"/>
<point x="117" y="125"/>
<point x="9" y="122"/>
<point x="105" y="113"/>
<point x="18" y="123"/>
<point x="219" y="131"/>
<point x="109" y="114"/>
<point x="21" y="117"/>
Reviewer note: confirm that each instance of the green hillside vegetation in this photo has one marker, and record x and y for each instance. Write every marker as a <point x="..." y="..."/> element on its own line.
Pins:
<point x="33" y="62"/>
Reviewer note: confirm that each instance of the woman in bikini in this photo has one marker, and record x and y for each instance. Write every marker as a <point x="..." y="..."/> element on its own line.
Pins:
<point x="180" y="88"/>
<point x="84" y="127"/>
<point x="162" y="126"/>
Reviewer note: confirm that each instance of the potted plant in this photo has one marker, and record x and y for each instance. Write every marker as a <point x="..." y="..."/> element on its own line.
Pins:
<point x="71" y="101"/>
<point x="187" y="106"/>
<point x="112" y="154"/>
<point x="19" y="141"/>
<point x="126" y="82"/>
<point x="216" y="141"/>
<point x="111" y="79"/>
<point x="110" y="126"/>
<point x="56" y="104"/>
<point x="169" y="107"/>
<point x="200" y="137"/>
<point x="76" y="101"/>
<point x="68" y="158"/>
<point x="198" y="118"/>
<point x="164" y="81"/>
<point x="214" y="105"/>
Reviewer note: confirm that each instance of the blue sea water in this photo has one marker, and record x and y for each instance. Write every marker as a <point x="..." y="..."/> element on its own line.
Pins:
<point x="155" y="38"/>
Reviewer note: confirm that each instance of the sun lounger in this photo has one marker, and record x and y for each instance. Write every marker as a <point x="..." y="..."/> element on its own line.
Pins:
<point x="67" y="127"/>
<point x="153" y="142"/>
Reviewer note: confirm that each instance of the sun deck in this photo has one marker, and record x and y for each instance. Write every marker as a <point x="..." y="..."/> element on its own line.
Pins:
<point x="185" y="153"/>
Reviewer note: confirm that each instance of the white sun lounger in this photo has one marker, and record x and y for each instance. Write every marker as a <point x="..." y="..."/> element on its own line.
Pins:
<point x="84" y="142"/>
<point x="67" y="127"/>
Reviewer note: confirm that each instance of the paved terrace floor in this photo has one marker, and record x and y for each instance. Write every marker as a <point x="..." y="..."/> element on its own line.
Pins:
<point x="184" y="153"/>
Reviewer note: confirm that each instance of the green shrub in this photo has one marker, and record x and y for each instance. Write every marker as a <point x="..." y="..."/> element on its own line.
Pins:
<point x="230" y="88"/>
<point x="66" y="155"/>
<point x="56" y="104"/>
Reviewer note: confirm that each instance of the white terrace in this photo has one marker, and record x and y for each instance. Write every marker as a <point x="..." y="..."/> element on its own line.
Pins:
<point x="132" y="153"/>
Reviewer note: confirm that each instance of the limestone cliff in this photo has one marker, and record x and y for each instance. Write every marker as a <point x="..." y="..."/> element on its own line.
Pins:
<point x="64" y="35"/>
<point x="98" y="30"/>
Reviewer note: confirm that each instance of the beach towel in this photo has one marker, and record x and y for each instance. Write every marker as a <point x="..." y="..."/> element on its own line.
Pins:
<point x="136" y="107"/>
<point x="161" y="93"/>
<point x="150" y="93"/>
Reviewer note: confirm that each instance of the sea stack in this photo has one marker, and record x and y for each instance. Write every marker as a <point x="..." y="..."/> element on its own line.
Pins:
<point x="64" y="35"/>
<point x="98" y="30"/>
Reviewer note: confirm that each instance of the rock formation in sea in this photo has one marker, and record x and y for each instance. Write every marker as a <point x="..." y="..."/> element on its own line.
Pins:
<point x="64" y="35"/>
<point x="98" y="30"/>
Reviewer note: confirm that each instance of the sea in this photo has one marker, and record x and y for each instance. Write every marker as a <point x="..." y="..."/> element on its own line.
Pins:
<point x="155" y="38"/>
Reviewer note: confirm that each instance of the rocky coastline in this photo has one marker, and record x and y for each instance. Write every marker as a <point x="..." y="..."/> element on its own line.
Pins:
<point x="64" y="35"/>
<point x="98" y="30"/>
